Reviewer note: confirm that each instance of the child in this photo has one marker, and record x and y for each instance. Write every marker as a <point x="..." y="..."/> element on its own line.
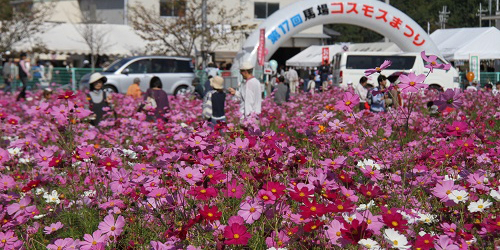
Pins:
<point x="311" y="84"/>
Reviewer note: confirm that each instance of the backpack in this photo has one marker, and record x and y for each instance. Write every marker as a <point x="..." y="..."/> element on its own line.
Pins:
<point x="207" y="105"/>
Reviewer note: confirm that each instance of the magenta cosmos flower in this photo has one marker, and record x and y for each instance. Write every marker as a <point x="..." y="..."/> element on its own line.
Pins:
<point x="250" y="211"/>
<point x="433" y="64"/>
<point x="451" y="98"/>
<point x="111" y="228"/>
<point x="348" y="102"/>
<point x="384" y="65"/>
<point x="190" y="175"/>
<point x="411" y="83"/>
<point x="236" y="234"/>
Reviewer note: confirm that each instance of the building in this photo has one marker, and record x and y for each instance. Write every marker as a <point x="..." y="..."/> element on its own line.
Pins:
<point x="116" y="12"/>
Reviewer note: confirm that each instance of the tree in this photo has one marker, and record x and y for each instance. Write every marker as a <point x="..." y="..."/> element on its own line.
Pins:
<point x="94" y="36"/>
<point x="20" y="21"/>
<point x="181" y="35"/>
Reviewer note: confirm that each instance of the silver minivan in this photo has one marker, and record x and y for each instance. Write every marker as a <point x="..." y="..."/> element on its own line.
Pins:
<point x="176" y="73"/>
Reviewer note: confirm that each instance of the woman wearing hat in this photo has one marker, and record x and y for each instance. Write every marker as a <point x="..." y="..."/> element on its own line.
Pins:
<point x="218" y="100"/>
<point x="97" y="97"/>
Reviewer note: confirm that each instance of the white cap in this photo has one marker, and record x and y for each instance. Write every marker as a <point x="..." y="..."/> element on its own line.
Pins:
<point x="349" y="82"/>
<point x="246" y="66"/>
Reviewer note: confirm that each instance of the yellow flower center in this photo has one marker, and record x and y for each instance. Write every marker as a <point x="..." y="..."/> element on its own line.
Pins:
<point x="369" y="193"/>
<point x="369" y="221"/>
<point x="113" y="228"/>
<point x="457" y="128"/>
<point x="274" y="190"/>
<point x="210" y="214"/>
<point x="480" y="206"/>
<point x="301" y="194"/>
<point x="265" y="197"/>
<point x="395" y="242"/>
<point x="252" y="209"/>
<point x="236" y="236"/>
<point x="426" y="241"/>
<point x="203" y="191"/>
<point x="448" y="191"/>
<point x="189" y="176"/>
<point x="412" y="83"/>
<point x="313" y="209"/>
<point x="94" y="242"/>
<point x="395" y="223"/>
<point x="313" y="227"/>
<point x="459" y="197"/>
<point x="348" y="103"/>
<point x="338" y="234"/>
<point x="340" y="207"/>
<point x="233" y="190"/>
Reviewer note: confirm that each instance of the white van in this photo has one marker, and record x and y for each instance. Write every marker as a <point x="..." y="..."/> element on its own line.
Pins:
<point x="351" y="66"/>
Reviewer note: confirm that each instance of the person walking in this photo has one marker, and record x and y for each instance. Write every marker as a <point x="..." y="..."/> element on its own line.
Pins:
<point x="24" y="74"/>
<point x="281" y="90"/>
<point x="311" y="85"/>
<point x="362" y="92"/>
<point x="378" y="95"/>
<point x="7" y="75"/>
<point x="158" y="99"/>
<point x="97" y="97"/>
<point x="293" y="79"/>
<point x="215" y="101"/>
<point x="134" y="90"/>
<point x="249" y="94"/>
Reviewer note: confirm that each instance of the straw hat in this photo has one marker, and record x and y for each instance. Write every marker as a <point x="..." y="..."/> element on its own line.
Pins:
<point x="217" y="82"/>
<point x="246" y="66"/>
<point x="96" y="77"/>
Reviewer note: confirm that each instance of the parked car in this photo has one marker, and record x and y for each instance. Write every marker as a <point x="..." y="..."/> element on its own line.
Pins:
<point x="176" y="73"/>
<point x="350" y="66"/>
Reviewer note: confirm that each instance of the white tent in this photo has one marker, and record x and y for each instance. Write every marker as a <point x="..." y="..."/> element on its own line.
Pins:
<point x="311" y="57"/>
<point x="67" y="38"/>
<point x="458" y="44"/>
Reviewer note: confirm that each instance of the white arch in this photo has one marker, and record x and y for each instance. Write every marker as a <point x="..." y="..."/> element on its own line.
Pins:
<point x="374" y="15"/>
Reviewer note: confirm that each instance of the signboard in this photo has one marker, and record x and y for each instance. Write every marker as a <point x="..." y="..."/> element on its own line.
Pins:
<point x="267" y="69"/>
<point x="325" y="56"/>
<point x="474" y="66"/>
<point x="262" y="47"/>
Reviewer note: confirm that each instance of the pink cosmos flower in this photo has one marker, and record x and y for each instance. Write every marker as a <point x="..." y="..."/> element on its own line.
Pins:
<point x="451" y="98"/>
<point x="63" y="244"/>
<point x="53" y="227"/>
<point x="411" y="83"/>
<point x="4" y="156"/>
<point x="443" y="189"/>
<point x="348" y="102"/>
<point x="445" y="243"/>
<point x="333" y="232"/>
<point x="250" y="211"/>
<point x="111" y="228"/>
<point x="92" y="240"/>
<point x="375" y="222"/>
<point x="197" y="141"/>
<point x="236" y="219"/>
<point x="372" y="173"/>
<point x="7" y="240"/>
<point x="384" y="65"/>
<point x="201" y="193"/>
<point x="6" y="182"/>
<point x="432" y="62"/>
<point x="190" y="175"/>
<point x="277" y="240"/>
<point x="19" y="208"/>
<point x="113" y="203"/>
<point x="234" y="190"/>
<point x="240" y="144"/>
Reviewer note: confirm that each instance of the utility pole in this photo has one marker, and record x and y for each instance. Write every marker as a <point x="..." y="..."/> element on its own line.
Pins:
<point x="480" y="14"/>
<point x="203" y="37"/>
<point x="489" y="12"/>
<point x="443" y="17"/>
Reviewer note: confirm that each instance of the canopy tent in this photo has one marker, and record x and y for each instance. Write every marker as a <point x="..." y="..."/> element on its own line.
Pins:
<point x="311" y="57"/>
<point x="458" y="44"/>
<point x="67" y="38"/>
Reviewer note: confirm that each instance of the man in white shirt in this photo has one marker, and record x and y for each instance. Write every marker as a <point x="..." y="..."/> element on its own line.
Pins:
<point x="293" y="78"/>
<point x="361" y="91"/>
<point x="472" y="87"/>
<point x="496" y="89"/>
<point x="250" y="93"/>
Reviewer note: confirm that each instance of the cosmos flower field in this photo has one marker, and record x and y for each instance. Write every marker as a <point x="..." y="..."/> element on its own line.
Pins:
<point x="315" y="174"/>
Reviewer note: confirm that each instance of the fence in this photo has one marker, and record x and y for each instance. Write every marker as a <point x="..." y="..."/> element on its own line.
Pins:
<point x="231" y="78"/>
<point x="62" y="77"/>
<point x="485" y="77"/>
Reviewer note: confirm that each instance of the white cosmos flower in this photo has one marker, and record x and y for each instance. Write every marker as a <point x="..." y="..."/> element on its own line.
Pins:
<point x="40" y="191"/>
<point x="349" y="217"/>
<point x="458" y="196"/>
<point x="427" y="218"/>
<point x="368" y="162"/>
<point x="495" y="194"/>
<point x="479" y="206"/>
<point x="363" y="207"/>
<point x="14" y="151"/>
<point x="369" y="244"/>
<point x="396" y="239"/>
<point x="52" y="197"/>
